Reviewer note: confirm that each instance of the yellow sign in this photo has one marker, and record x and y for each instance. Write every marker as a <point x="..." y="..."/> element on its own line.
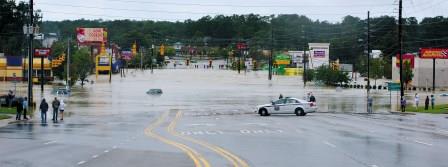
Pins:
<point x="162" y="50"/>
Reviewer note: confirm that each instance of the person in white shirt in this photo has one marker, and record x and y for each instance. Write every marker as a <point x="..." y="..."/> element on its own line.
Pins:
<point x="416" y="100"/>
<point x="61" y="109"/>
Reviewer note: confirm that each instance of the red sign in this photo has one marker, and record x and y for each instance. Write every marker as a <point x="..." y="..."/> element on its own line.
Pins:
<point x="42" y="52"/>
<point x="408" y="57"/>
<point x="91" y="35"/>
<point x="434" y="53"/>
<point x="241" y="46"/>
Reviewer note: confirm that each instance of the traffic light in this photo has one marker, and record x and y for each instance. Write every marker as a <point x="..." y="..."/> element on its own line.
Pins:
<point x="134" y="48"/>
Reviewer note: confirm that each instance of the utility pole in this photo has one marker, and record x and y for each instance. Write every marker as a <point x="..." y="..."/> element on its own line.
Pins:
<point x="68" y="64"/>
<point x="305" y="57"/>
<point x="30" y="56"/>
<point x="141" y="58"/>
<point x="272" y="50"/>
<point x="152" y="57"/>
<point x="400" y="45"/>
<point x="368" y="61"/>
<point x="110" y="61"/>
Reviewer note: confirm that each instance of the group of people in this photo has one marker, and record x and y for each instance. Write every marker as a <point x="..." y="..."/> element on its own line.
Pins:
<point x="58" y="106"/>
<point x="428" y="99"/>
<point x="22" y="106"/>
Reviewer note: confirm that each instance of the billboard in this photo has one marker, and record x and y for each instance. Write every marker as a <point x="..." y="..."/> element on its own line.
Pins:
<point x="103" y="61"/>
<point x="42" y="52"/>
<point x="126" y="55"/>
<point x="408" y="57"/>
<point x="319" y="54"/>
<point x="434" y="53"/>
<point x="91" y="35"/>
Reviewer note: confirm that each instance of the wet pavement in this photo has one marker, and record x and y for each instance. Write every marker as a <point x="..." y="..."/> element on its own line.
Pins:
<point x="205" y="118"/>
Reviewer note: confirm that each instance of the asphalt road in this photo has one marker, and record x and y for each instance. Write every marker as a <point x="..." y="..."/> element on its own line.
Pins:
<point x="205" y="118"/>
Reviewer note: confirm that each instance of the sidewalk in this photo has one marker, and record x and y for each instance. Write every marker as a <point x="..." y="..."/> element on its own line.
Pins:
<point x="6" y="122"/>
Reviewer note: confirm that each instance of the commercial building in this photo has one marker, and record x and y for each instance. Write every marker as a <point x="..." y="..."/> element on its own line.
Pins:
<point x="423" y="70"/>
<point x="16" y="68"/>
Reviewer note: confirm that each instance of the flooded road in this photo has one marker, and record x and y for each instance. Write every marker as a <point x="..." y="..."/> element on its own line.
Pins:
<point x="205" y="117"/>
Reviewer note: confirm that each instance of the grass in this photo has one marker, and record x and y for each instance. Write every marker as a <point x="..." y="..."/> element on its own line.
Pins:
<point x="2" y="116"/>
<point x="4" y="110"/>
<point x="438" y="109"/>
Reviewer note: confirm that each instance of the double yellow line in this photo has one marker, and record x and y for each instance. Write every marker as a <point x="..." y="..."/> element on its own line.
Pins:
<point x="235" y="160"/>
<point x="198" y="159"/>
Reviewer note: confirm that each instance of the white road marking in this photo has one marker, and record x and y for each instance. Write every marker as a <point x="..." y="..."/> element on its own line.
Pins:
<point x="114" y="147"/>
<point x="420" y="142"/>
<point x="106" y="151"/>
<point x="329" y="144"/>
<point x="373" y="166"/>
<point x="81" y="162"/>
<point x="94" y="156"/>
<point x="259" y="124"/>
<point x="202" y="124"/>
<point x="443" y="131"/>
<point x="53" y="141"/>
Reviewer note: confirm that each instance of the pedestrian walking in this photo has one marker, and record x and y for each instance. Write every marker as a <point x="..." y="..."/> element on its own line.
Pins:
<point x="61" y="109"/>
<point x="403" y="104"/>
<point x="19" y="109"/>
<point x="55" y="104"/>
<point x="426" y="102"/>
<point x="25" y="108"/>
<point x="416" y="100"/>
<point x="308" y="95"/>
<point x="369" y="104"/>
<point x="280" y="97"/>
<point x="433" y="100"/>
<point x="43" y="110"/>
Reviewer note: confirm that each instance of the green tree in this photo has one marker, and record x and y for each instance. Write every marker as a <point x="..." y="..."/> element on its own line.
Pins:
<point x="376" y="69"/>
<point x="407" y="73"/>
<point x="81" y="65"/>
<point x="330" y="76"/>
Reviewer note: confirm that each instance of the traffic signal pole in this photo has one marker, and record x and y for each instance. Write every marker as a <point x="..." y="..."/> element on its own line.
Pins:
<point x="30" y="56"/>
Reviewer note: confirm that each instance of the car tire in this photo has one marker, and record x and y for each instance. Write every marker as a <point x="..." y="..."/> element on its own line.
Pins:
<point x="300" y="112"/>
<point x="263" y="112"/>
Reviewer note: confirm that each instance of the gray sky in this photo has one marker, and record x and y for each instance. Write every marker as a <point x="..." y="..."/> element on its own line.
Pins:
<point x="178" y="10"/>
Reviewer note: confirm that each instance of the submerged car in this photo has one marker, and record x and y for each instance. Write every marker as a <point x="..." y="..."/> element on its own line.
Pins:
<point x="154" y="91"/>
<point x="287" y="105"/>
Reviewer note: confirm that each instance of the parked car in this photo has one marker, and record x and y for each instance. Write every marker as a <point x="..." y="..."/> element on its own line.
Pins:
<point x="287" y="105"/>
<point x="154" y="91"/>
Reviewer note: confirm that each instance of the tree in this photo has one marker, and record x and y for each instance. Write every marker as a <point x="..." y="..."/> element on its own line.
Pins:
<point x="330" y="76"/>
<point x="309" y="74"/>
<point x="81" y="65"/>
<point x="376" y="69"/>
<point x="407" y="73"/>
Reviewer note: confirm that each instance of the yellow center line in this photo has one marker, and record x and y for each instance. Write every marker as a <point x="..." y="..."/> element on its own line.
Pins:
<point x="198" y="160"/>
<point x="235" y="160"/>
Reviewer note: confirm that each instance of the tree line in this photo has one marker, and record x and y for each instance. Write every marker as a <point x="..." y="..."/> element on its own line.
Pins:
<point x="220" y="32"/>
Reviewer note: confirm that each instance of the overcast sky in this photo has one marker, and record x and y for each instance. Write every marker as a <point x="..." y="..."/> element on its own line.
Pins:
<point x="179" y="10"/>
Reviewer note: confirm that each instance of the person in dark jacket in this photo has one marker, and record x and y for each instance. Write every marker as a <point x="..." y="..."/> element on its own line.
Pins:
<point x="426" y="102"/>
<point x="19" y="109"/>
<point x="43" y="110"/>
<point x="55" y="104"/>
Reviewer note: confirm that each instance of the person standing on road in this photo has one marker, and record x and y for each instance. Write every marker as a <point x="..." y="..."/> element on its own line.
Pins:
<point x="312" y="98"/>
<point x="25" y="108"/>
<point x="19" y="109"/>
<point x="61" y="109"/>
<point x="369" y="104"/>
<point x="43" y="110"/>
<point x="403" y="104"/>
<point x="426" y="102"/>
<point x="433" y="100"/>
<point x="416" y="99"/>
<point x="55" y="104"/>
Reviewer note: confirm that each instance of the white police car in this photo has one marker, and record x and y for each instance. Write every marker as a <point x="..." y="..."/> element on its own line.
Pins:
<point x="287" y="105"/>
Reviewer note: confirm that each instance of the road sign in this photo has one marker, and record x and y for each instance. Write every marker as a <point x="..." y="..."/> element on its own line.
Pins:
<point x="393" y="86"/>
<point x="42" y="52"/>
<point x="241" y="45"/>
